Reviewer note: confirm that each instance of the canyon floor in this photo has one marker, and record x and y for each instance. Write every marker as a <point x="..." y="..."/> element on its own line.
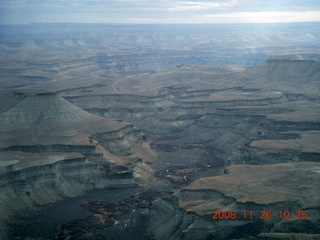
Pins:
<point x="159" y="133"/>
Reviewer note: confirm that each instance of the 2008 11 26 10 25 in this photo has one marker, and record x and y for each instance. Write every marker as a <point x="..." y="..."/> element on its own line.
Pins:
<point x="263" y="215"/>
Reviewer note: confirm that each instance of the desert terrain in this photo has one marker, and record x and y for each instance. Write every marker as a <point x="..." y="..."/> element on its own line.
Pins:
<point x="160" y="131"/>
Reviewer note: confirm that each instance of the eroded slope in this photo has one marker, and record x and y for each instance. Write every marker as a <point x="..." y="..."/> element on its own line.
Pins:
<point x="51" y="149"/>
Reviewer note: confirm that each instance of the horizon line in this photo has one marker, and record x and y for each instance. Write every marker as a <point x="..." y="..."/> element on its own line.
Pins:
<point x="178" y="23"/>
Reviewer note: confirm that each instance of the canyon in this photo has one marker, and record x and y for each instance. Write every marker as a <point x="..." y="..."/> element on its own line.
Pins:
<point x="185" y="120"/>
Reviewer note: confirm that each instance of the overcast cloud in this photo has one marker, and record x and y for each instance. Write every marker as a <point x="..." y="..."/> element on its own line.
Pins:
<point x="159" y="11"/>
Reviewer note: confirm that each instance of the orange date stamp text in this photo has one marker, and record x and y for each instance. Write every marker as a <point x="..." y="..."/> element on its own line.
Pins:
<point x="262" y="215"/>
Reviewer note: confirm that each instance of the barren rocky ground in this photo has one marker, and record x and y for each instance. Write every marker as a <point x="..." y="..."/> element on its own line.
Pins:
<point x="214" y="130"/>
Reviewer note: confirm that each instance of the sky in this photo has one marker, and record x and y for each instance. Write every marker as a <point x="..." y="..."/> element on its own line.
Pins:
<point x="159" y="11"/>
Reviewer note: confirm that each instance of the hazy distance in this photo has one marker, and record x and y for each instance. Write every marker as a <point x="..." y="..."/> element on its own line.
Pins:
<point x="159" y="11"/>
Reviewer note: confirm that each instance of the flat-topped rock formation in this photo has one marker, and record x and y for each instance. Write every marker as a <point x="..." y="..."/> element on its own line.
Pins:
<point x="68" y="56"/>
<point x="261" y="185"/>
<point x="278" y="200"/>
<point x="287" y="69"/>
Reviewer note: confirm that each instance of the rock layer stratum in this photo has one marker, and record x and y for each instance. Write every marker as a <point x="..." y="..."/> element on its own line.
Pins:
<point x="51" y="149"/>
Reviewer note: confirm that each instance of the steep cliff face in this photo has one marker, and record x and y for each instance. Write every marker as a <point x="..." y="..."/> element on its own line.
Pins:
<point x="51" y="149"/>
